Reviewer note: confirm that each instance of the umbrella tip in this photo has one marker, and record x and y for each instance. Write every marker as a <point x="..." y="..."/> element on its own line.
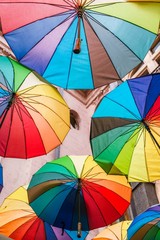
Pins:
<point x="77" y="48"/>
<point x="79" y="234"/>
<point x="76" y="51"/>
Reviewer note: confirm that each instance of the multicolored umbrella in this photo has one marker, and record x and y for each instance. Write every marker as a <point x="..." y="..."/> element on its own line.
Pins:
<point x="18" y="220"/>
<point x="74" y="190"/>
<point x="125" y="130"/>
<point x="117" y="231"/>
<point x="98" y="41"/>
<point x="30" y="111"/>
<point x="1" y="177"/>
<point x="146" y="226"/>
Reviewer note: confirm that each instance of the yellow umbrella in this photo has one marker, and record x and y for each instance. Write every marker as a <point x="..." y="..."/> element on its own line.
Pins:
<point x="116" y="231"/>
<point x="19" y="222"/>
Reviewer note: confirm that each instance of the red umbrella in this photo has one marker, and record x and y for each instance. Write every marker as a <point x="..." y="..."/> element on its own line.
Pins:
<point x="75" y="190"/>
<point x="34" y="118"/>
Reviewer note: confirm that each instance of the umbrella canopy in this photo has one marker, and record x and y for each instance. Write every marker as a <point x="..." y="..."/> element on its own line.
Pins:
<point x="117" y="231"/>
<point x="125" y="130"/>
<point x="30" y="111"/>
<point x="1" y="177"/>
<point x="98" y="41"/>
<point x="146" y="226"/>
<point x="19" y="222"/>
<point x="74" y="190"/>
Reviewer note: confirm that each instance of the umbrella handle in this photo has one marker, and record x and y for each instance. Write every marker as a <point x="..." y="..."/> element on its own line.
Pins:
<point x="79" y="226"/>
<point x="77" y="48"/>
<point x="79" y="229"/>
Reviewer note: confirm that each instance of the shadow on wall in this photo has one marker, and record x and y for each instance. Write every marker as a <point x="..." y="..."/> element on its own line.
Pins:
<point x="74" y="119"/>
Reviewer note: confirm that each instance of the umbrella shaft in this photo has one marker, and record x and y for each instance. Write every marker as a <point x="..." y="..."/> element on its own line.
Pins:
<point x="77" y="47"/>
<point x="79" y="27"/>
<point x="79" y="199"/>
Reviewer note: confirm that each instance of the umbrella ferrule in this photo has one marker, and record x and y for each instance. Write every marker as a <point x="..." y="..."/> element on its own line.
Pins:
<point x="79" y="230"/>
<point x="80" y="12"/>
<point x="146" y="126"/>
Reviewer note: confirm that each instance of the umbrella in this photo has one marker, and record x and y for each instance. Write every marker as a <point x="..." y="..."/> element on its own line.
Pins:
<point x="30" y="111"/>
<point x="117" y="231"/>
<point x="98" y="41"/>
<point x="1" y="177"/>
<point x="146" y="226"/>
<point x="75" y="191"/>
<point x="18" y="220"/>
<point x="125" y="130"/>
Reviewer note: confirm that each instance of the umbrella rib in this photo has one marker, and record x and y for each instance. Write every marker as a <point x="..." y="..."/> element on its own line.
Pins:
<point x="20" y="59"/>
<point x="86" y="189"/>
<point x="68" y="177"/>
<point x="128" y="110"/>
<point x="70" y="64"/>
<point x="109" y="180"/>
<point x="30" y="219"/>
<point x="12" y="109"/>
<point x="29" y="210"/>
<point x="39" y="3"/>
<point x="96" y="21"/>
<point x="100" y="5"/>
<point x="68" y="187"/>
<point x="149" y="131"/>
<point x="8" y="86"/>
<point x="49" y="109"/>
<point x="34" y="100"/>
<point x="139" y="136"/>
<point x="108" y="4"/>
<point x="20" y="116"/>
<point x="39" y="223"/>
<point x="91" y="175"/>
<point x="124" y="133"/>
<point x="88" y="3"/>
<point x="85" y="17"/>
<point x="71" y="16"/>
<point x="88" y="48"/>
<point x="114" y="233"/>
<point x="72" y="3"/>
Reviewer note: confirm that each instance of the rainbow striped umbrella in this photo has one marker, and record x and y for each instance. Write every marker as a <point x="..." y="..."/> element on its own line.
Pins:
<point x="19" y="222"/>
<point x="75" y="193"/>
<point x="146" y="226"/>
<point x="80" y="44"/>
<point x="125" y="130"/>
<point x="30" y="111"/>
